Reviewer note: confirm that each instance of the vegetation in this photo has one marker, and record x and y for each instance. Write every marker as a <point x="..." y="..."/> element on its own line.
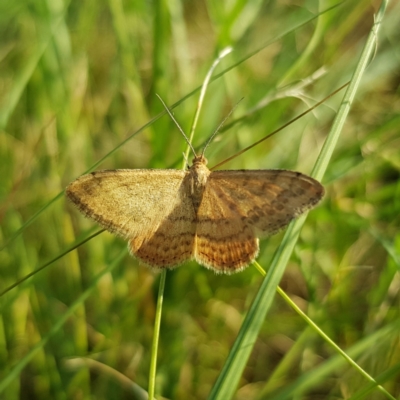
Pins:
<point x="78" y="79"/>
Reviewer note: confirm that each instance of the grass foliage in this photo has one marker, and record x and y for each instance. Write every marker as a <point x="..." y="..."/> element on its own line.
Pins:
<point x="78" y="91"/>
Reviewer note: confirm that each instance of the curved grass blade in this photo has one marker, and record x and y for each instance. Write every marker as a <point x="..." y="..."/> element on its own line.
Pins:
<point x="228" y="379"/>
<point x="373" y="383"/>
<point x="34" y="272"/>
<point x="315" y="376"/>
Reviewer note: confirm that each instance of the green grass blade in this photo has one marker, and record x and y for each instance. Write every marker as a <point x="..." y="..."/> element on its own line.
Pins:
<point x="372" y="382"/>
<point x="156" y="335"/>
<point x="381" y="378"/>
<point x="366" y="56"/>
<point x="228" y="379"/>
<point x="45" y="265"/>
<point x="316" y="375"/>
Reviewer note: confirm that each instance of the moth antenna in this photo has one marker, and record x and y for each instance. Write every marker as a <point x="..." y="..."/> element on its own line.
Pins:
<point x="185" y="158"/>
<point x="179" y="127"/>
<point x="220" y="126"/>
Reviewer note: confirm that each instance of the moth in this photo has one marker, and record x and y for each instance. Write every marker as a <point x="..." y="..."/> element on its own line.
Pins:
<point x="214" y="217"/>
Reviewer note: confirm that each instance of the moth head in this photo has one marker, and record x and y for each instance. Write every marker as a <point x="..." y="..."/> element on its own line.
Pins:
<point x="199" y="159"/>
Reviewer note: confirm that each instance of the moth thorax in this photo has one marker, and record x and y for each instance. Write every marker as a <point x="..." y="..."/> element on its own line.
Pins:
<point x="198" y="177"/>
<point x="199" y="172"/>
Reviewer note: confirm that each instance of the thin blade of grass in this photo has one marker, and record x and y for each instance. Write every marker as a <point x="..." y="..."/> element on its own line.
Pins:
<point x="229" y="377"/>
<point x="316" y="375"/>
<point x="156" y="335"/>
<point x="381" y="378"/>
<point x="157" y="322"/>
<point x="38" y="269"/>
<point x="326" y="338"/>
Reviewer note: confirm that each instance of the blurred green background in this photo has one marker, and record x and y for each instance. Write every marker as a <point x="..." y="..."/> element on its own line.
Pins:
<point x="77" y="78"/>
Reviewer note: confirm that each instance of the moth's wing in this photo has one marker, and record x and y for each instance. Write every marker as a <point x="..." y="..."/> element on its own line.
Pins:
<point x="150" y="208"/>
<point x="240" y="206"/>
